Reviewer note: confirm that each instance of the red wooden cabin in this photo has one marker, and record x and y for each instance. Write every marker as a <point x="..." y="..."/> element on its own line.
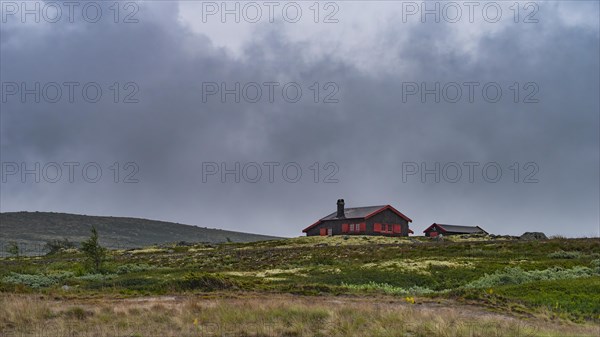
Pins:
<point x="370" y="220"/>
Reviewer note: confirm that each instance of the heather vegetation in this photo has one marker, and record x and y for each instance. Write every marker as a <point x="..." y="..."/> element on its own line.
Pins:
<point x="556" y="279"/>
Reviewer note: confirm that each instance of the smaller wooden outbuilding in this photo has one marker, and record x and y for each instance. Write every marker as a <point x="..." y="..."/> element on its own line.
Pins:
<point x="437" y="229"/>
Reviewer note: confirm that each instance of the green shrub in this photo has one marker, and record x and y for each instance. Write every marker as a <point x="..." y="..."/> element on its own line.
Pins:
<point x="33" y="281"/>
<point x="96" y="277"/>
<point x="561" y="254"/>
<point x="205" y="282"/>
<point x="13" y="248"/>
<point x="388" y="289"/>
<point x="59" y="276"/>
<point x="55" y="246"/>
<point x="519" y="276"/>
<point x="312" y="289"/>
<point x="36" y="280"/>
<point x="79" y="269"/>
<point x="138" y="283"/>
<point x="417" y="290"/>
<point x="134" y="268"/>
<point x="575" y="299"/>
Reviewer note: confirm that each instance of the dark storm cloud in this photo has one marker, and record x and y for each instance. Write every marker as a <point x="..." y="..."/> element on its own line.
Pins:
<point x="368" y="134"/>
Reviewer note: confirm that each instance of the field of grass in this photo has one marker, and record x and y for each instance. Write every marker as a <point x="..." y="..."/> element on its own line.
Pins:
<point x="329" y="286"/>
<point x="264" y="315"/>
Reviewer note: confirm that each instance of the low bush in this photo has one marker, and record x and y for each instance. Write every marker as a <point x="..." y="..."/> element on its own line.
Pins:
<point x="517" y="275"/>
<point x="96" y="277"/>
<point x="133" y="268"/>
<point x="33" y="281"/>
<point x="578" y="299"/>
<point x="205" y="282"/>
<point x="138" y="283"/>
<point x="388" y="289"/>
<point x="36" y="280"/>
<point x="56" y="246"/>
<point x="312" y="289"/>
<point x="561" y="254"/>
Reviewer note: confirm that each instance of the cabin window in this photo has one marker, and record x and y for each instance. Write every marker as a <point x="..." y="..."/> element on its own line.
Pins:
<point x="356" y="228"/>
<point x="388" y="228"/>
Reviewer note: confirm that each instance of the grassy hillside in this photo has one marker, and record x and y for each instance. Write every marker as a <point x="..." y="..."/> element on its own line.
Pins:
<point x="528" y="283"/>
<point x="33" y="229"/>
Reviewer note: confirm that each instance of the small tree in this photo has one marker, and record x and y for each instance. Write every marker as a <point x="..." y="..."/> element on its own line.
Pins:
<point x="95" y="253"/>
<point x="55" y="246"/>
<point x="13" y="248"/>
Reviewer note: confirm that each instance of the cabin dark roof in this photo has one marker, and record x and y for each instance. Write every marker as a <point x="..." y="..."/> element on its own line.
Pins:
<point x="354" y="212"/>
<point x="359" y="213"/>
<point x="458" y="229"/>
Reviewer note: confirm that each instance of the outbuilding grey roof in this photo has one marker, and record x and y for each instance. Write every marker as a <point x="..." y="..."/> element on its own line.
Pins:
<point x="461" y="229"/>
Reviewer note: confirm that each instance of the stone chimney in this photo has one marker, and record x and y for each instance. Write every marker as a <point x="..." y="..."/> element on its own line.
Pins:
<point x="340" y="208"/>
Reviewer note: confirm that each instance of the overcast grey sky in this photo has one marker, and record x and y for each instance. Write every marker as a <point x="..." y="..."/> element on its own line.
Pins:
<point x="369" y="74"/>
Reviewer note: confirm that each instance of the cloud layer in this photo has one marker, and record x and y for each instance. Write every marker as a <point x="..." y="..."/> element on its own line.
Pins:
<point x="374" y="133"/>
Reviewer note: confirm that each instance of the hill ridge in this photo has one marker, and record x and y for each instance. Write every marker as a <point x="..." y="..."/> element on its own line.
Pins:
<point x="34" y="229"/>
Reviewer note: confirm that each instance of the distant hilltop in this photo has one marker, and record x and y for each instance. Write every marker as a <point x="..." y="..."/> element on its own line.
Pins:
<point x="31" y="230"/>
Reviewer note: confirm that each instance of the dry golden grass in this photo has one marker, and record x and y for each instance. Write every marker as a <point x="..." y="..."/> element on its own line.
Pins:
<point x="263" y="315"/>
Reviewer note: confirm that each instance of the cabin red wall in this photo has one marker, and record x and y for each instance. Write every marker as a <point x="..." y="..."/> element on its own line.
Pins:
<point x="395" y="226"/>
